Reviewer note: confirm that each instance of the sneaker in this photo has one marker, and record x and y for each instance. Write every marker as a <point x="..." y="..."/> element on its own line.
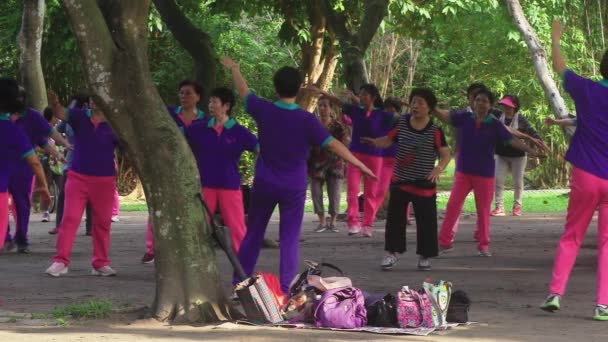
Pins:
<point x="517" y="210"/>
<point x="23" y="250"/>
<point x="484" y="253"/>
<point x="321" y="228"/>
<point x="105" y="271"/>
<point x="115" y="218"/>
<point x="388" y="262"/>
<point x="551" y="303"/>
<point x="46" y="216"/>
<point x="498" y="211"/>
<point x="366" y="231"/>
<point x="53" y="231"/>
<point x="354" y="230"/>
<point x="147" y="258"/>
<point x="333" y="228"/>
<point x="445" y="249"/>
<point x="270" y="243"/>
<point x="56" y="269"/>
<point x="600" y="313"/>
<point x="424" y="264"/>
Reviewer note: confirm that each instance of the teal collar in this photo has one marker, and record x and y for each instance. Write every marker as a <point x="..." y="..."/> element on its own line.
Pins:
<point x="228" y="124"/>
<point x="375" y="108"/>
<point x="488" y="118"/>
<point x="285" y="105"/>
<point x="5" y="117"/>
<point x="199" y="113"/>
<point x="604" y="82"/>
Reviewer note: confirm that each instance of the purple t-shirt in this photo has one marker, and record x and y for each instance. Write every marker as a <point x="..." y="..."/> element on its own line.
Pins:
<point x="286" y="134"/>
<point x="14" y="147"/>
<point x="37" y="130"/>
<point x="375" y="125"/>
<point x="587" y="149"/>
<point x="94" y="146"/>
<point x="218" y="154"/>
<point x="477" y="141"/>
<point x="176" y="114"/>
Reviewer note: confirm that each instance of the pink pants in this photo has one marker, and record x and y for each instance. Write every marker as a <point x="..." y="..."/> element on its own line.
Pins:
<point x="3" y="217"/>
<point x="116" y="204"/>
<point x="99" y="192"/>
<point x="586" y="193"/>
<point x="230" y="203"/>
<point x="385" y="176"/>
<point x="370" y="194"/>
<point x="483" y="188"/>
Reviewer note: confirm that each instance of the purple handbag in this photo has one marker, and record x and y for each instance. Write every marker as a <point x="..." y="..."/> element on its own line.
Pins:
<point x="341" y="308"/>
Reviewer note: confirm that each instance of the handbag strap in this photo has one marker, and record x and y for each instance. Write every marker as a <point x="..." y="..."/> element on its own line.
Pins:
<point x="319" y="265"/>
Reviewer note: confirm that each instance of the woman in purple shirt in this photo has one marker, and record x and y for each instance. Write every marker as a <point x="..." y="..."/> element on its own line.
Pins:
<point x="369" y="120"/>
<point x="480" y="132"/>
<point x="92" y="178"/>
<point x="184" y="115"/>
<point x="286" y="134"/>
<point x="15" y="148"/>
<point x="589" y="180"/>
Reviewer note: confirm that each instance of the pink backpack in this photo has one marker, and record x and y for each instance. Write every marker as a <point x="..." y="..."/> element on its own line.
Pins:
<point x="414" y="309"/>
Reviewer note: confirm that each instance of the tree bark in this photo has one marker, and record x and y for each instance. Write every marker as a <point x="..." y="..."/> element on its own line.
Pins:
<point x="319" y="56"/>
<point x="29" y="41"/>
<point x="539" y="59"/>
<point x="195" y="41"/>
<point x="354" y="45"/>
<point x="111" y="37"/>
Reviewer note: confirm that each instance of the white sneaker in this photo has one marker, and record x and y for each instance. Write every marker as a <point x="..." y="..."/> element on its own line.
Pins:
<point x="105" y="271"/>
<point x="388" y="262"/>
<point x="115" y="218"/>
<point x="46" y="216"/>
<point x="424" y="264"/>
<point x="56" y="269"/>
<point x="484" y="253"/>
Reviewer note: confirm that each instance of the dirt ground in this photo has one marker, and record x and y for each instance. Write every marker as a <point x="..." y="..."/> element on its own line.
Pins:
<point x="506" y="288"/>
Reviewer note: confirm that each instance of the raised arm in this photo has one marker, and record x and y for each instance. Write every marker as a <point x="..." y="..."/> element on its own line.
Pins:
<point x="239" y="81"/>
<point x="442" y="114"/>
<point x="382" y="142"/>
<point x="558" y="60"/>
<point x="60" y="140"/>
<point x="560" y="122"/>
<point x="56" y="106"/>
<point x="338" y="148"/>
<point x="520" y="145"/>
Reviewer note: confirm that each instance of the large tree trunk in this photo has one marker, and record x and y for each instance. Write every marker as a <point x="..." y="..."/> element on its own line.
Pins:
<point x="319" y="56"/>
<point x="29" y="41"/>
<point x="354" y="45"/>
<point x="111" y="37"/>
<point x="539" y="59"/>
<point x="195" y="41"/>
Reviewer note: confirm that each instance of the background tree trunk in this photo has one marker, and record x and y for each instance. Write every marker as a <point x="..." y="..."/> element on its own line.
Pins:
<point x="354" y="45"/>
<point x="539" y="59"/>
<point x="29" y="41"/>
<point x="111" y="36"/>
<point x="195" y="41"/>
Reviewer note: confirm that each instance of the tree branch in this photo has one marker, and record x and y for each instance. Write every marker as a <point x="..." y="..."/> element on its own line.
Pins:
<point x="195" y="41"/>
<point x="374" y="13"/>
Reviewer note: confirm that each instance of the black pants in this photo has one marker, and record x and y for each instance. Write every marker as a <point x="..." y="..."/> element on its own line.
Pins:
<point x="425" y="211"/>
<point x="61" y="199"/>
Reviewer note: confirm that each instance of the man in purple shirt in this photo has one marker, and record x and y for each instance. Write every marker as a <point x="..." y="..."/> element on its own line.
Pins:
<point x="589" y="180"/>
<point x="286" y="134"/>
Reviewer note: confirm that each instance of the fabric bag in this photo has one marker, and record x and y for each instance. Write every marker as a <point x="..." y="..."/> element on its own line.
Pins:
<point x="383" y="312"/>
<point x="341" y="308"/>
<point x="414" y="309"/>
<point x="439" y="294"/>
